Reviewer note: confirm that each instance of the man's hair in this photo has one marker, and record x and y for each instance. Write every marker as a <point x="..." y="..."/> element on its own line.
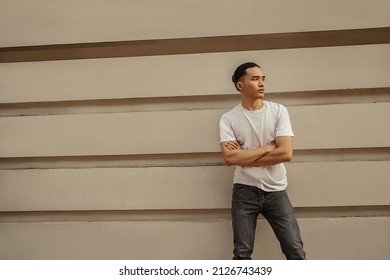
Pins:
<point x="241" y="71"/>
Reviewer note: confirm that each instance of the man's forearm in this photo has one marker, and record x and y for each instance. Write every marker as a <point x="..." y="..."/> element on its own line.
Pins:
<point x="276" y="156"/>
<point x="283" y="152"/>
<point x="235" y="155"/>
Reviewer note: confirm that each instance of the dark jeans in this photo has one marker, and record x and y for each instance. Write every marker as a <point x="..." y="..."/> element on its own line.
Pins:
<point x="247" y="203"/>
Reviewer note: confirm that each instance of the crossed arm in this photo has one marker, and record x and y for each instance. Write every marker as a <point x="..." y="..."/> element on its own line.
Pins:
<point x="267" y="155"/>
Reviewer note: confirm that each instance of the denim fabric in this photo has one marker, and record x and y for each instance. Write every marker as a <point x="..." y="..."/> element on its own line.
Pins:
<point x="247" y="203"/>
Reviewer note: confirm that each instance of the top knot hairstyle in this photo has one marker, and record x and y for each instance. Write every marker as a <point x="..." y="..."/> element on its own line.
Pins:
<point x="241" y="71"/>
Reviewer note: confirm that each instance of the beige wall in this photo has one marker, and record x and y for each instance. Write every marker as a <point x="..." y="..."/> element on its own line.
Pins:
<point x="118" y="157"/>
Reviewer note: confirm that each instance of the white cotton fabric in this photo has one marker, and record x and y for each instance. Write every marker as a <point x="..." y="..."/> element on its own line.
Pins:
<point x="253" y="129"/>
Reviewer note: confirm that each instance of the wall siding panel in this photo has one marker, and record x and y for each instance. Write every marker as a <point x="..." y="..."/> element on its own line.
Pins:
<point x="197" y="239"/>
<point x="322" y="184"/>
<point x="193" y="74"/>
<point x="316" y="127"/>
<point x="58" y="22"/>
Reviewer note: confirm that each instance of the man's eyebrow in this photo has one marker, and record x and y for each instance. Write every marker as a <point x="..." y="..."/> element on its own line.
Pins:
<point x="258" y="76"/>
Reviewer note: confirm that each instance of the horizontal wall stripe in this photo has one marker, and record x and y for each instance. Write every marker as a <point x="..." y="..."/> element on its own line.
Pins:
<point x="337" y="183"/>
<point x="321" y="184"/>
<point x="196" y="45"/>
<point x="341" y="238"/>
<point x="148" y="104"/>
<point x="47" y="22"/>
<point x="315" y="127"/>
<point x="183" y="160"/>
<point x="131" y="189"/>
<point x="340" y="126"/>
<point x="287" y="70"/>
<point x="180" y="215"/>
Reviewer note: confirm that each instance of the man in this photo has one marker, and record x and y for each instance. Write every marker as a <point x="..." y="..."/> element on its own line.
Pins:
<point x="257" y="137"/>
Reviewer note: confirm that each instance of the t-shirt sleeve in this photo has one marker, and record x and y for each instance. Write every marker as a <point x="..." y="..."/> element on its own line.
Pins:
<point x="283" y="124"/>
<point x="225" y="130"/>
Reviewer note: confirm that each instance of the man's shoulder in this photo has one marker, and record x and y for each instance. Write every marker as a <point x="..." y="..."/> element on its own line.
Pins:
<point x="275" y="108"/>
<point x="274" y="105"/>
<point x="236" y="109"/>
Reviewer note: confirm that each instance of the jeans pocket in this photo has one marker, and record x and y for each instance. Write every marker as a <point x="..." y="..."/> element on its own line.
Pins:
<point x="242" y="192"/>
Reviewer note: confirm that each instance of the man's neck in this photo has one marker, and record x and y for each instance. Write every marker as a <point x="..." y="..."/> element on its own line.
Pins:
<point x="252" y="105"/>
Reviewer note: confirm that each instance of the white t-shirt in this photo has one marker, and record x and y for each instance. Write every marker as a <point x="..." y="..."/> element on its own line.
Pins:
<point x="253" y="129"/>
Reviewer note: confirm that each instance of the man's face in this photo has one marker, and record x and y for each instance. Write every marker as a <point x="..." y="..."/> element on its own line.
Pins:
<point x="252" y="85"/>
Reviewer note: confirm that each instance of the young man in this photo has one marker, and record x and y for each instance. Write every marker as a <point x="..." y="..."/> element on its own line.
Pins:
<point x="257" y="137"/>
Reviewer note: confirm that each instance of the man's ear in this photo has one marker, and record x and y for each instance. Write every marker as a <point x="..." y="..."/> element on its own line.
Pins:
<point x="239" y="85"/>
